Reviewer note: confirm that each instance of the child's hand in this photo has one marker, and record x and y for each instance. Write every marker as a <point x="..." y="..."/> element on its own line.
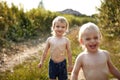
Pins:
<point x="70" y="68"/>
<point x="39" y="65"/>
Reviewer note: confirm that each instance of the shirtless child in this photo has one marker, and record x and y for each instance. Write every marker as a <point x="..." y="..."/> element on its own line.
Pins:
<point x="59" y="46"/>
<point x="95" y="62"/>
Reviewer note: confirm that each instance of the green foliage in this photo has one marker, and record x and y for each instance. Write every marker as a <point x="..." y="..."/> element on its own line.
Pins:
<point x="42" y="19"/>
<point x="79" y="20"/>
<point x="30" y="71"/>
<point x="75" y="46"/>
<point x="3" y="22"/>
<point x="27" y="71"/>
<point x="109" y="18"/>
<point x="17" y="25"/>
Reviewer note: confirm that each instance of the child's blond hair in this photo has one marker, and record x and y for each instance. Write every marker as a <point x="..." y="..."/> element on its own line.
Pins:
<point x="62" y="20"/>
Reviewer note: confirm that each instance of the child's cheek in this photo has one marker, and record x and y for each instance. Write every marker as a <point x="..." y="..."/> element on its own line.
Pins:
<point x="85" y="42"/>
<point x="98" y="41"/>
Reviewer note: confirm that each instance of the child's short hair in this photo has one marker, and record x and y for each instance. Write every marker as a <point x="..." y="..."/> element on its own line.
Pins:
<point x="62" y="20"/>
<point x="88" y="26"/>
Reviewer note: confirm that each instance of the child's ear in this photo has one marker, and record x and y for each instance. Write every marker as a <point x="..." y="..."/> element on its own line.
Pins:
<point x="81" y="42"/>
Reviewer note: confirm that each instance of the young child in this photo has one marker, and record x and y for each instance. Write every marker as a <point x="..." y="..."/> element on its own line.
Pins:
<point x="95" y="62"/>
<point x="59" y="46"/>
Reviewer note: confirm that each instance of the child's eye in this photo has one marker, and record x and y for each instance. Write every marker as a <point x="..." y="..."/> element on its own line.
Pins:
<point x="87" y="39"/>
<point x="96" y="38"/>
<point x="63" y="26"/>
<point x="57" y="26"/>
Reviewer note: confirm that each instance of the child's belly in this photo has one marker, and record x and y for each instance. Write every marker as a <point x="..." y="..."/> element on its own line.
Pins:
<point x="58" y="58"/>
<point x="97" y="74"/>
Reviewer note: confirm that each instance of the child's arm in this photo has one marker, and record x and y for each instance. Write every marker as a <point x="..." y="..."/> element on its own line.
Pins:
<point x="69" y="56"/>
<point x="76" y="68"/>
<point x="112" y="68"/>
<point x="44" y="54"/>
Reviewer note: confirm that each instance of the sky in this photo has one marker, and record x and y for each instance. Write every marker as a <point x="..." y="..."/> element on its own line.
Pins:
<point x="87" y="7"/>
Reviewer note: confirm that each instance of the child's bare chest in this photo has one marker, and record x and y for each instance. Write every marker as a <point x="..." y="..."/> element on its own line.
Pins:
<point x="94" y="61"/>
<point x="58" y="43"/>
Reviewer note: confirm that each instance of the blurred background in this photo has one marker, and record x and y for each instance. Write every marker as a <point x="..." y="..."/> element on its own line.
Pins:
<point x="25" y="25"/>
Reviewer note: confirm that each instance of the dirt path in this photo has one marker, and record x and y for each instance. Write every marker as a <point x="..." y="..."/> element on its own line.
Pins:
<point x="10" y="62"/>
<point x="14" y="60"/>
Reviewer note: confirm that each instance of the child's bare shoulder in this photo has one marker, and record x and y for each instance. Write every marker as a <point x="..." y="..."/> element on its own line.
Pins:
<point x="105" y="52"/>
<point x="65" y="38"/>
<point x="50" y="38"/>
<point x="81" y="55"/>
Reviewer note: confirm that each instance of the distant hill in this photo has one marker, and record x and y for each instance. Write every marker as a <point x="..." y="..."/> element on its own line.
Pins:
<point x="70" y="11"/>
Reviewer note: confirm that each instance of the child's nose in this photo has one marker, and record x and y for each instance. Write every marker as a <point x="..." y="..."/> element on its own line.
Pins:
<point x="92" y="40"/>
<point x="60" y="28"/>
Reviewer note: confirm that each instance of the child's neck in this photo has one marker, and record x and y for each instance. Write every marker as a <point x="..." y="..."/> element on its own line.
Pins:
<point x="92" y="52"/>
<point x="60" y="36"/>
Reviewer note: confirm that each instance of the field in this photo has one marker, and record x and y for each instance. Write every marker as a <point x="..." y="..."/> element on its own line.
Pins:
<point x="28" y="70"/>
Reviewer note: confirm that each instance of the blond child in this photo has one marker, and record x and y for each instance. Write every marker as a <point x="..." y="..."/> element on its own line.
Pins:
<point x="95" y="62"/>
<point x="59" y="46"/>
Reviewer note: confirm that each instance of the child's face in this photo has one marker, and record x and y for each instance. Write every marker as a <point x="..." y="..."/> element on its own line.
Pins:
<point x="91" y="40"/>
<point x="59" y="28"/>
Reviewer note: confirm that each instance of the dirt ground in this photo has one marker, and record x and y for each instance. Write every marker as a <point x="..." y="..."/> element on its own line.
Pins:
<point x="24" y="51"/>
<point x="19" y="54"/>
